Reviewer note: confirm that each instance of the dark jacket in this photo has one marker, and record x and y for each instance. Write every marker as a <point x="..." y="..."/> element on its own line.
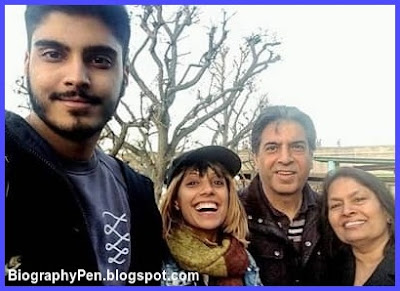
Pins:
<point x="279" y="262"/>
<point x="44" y="225"/>
<point x="342" y="270"/>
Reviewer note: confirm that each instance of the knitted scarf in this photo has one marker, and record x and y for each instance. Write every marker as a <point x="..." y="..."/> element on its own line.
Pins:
<point x="225" y="264"/>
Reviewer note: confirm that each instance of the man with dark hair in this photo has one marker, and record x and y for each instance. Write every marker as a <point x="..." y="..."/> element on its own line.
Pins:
<point x="71" y="209"/>
<point x="283" y="212"/>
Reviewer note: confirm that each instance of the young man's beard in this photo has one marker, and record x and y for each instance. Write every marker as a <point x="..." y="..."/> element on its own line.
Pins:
<point x="77" y="131"/>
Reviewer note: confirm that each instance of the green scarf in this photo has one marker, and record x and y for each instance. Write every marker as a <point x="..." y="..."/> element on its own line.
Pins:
<point x="226" y="263"/>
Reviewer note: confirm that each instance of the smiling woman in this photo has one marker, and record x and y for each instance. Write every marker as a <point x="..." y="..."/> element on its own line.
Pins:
<point x="359" y="212"/>
<point x="204" y="223"/>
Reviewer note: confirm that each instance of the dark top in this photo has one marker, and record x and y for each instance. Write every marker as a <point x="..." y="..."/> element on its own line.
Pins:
<point x="279" y="260"/>
<point x="342" y="270"/>
<point x="45" y="227"/>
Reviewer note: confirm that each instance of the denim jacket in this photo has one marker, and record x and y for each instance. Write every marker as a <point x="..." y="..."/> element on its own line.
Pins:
<point x="176" y="276"/>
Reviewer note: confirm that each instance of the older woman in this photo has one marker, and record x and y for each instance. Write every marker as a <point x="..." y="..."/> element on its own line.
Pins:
<point x="360" y="212"/>
<point x="204" y="223"/>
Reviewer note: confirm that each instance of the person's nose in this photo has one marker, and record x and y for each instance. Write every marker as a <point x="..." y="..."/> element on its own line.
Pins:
<point x="285" y="155"/>
<point x="206" y="188"/>
<point x="348" y="209"/>
<point x="77" y="73"/>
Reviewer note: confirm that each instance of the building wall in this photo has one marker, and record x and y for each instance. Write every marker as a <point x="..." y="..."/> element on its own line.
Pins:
<point x="321" y="168"/>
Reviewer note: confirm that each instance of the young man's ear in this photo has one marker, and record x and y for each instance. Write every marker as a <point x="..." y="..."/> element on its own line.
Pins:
<point x="126" y="74"/>
<point x="125" y="80"/>
<point x="26" y="63"/>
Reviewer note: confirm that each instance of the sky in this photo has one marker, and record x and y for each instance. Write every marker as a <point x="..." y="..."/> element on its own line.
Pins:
<point x="338" y="64"/>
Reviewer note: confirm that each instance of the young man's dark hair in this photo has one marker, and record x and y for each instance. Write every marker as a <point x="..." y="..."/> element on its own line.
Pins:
<point x="283" y="211"/>
<point x="71" y="209"/>
<point x="115" y="17"/>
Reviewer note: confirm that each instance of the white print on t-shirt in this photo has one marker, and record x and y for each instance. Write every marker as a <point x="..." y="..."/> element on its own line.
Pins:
<point x="109" y="230"/>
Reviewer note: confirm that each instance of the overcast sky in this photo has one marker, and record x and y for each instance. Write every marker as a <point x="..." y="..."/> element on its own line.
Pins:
<point x="338" y="64"/>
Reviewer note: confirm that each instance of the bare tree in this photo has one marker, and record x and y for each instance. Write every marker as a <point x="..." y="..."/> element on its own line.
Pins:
<point x="179" y="91"/>
<point x="234" y="123"/>
<point x="20" y="88"/>
<point x="146" y="133"/>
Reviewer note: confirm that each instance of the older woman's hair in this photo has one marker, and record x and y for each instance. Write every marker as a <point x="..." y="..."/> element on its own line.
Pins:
<point x="235" y="223"/>
<point x="368" y="180"/>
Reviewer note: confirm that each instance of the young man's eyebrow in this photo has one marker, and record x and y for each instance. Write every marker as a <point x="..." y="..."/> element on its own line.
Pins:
<point x="50" y="43"/>
<point x="89" y="49"/>
<point x="101" y="49"/>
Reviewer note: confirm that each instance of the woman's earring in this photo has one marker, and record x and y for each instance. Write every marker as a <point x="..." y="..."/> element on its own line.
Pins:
<point x="389" y="220"/>
<point x="176" y="206"/>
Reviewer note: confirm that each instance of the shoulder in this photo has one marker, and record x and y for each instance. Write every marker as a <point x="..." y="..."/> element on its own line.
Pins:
<point x="340" y="267"/>
<point x="242" y="193"/>
<point x="384" y="274"/>
<point x="140" y="188"/>
<point x="133" y="176"/>
<point x="249" y="194"/>
<point x="389" y="262"/>
<point x="176" y="276"/>
<point x="312" y="198"/>
<point x="252" y="276"/>
<point x="311" y="193"/>
<point x="252" y="262"/>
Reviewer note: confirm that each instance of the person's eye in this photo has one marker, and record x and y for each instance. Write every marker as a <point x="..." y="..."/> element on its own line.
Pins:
<point x="51" y="55"/>
<point x="219" y="182"/>
<point x="334" y="206"/>
<point x="359" y="199"/>
<point x="191" y="183"/>
<point x="271" y="148"/>
<point x="101" y="61"/>
<point x="299" y="147"/>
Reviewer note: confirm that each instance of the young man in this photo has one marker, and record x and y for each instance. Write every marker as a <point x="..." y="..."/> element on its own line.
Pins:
<point x="283" y="212"/>
<point x="72" y="210"/>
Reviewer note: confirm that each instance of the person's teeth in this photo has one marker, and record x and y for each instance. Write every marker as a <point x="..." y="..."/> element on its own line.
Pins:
<point x="206" y="205"/>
